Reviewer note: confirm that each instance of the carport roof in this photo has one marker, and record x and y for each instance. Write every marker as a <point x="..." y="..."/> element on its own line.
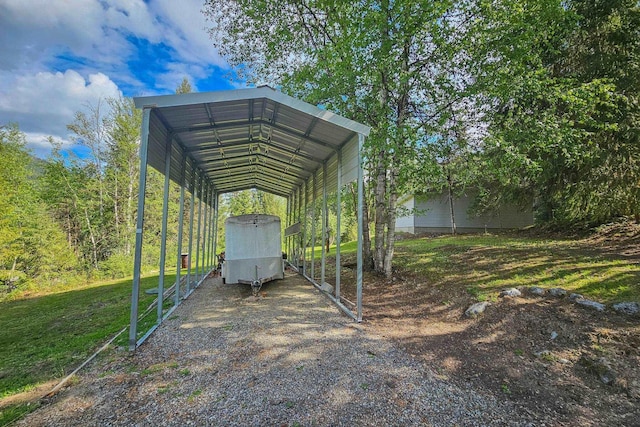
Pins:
<point x="248" y="138"/>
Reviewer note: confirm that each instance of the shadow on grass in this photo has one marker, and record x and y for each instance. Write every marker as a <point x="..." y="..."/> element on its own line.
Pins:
<point x="45" y="337"/>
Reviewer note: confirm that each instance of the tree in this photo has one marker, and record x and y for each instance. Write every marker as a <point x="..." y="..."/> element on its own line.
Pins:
<point x="564" y="122"/>
<point x="374" y="62"/>
<point x="31" y="244"/>
<point x="184" y="87"/>
<point x="122" y="169"/>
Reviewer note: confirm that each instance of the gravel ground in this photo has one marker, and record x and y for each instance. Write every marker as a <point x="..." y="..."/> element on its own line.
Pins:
<point x="287" y="358"/>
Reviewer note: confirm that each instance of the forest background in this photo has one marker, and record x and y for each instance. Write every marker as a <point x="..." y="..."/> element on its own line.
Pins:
<point x="524" y="102"/>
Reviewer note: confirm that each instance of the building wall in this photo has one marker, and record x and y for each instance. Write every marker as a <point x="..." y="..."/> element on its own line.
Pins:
<point x="433" y="215"/>
<point x="406" y="223"/>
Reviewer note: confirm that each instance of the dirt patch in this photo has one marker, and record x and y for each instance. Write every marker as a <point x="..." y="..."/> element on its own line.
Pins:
<point x="30" y="396"/>
<point x="576" y="365"/>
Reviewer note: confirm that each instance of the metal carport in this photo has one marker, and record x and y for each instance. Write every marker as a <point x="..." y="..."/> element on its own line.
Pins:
<point x="218" y="142"/>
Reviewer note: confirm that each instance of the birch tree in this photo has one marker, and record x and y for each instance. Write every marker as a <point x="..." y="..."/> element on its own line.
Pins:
<point x="372" y="61"/>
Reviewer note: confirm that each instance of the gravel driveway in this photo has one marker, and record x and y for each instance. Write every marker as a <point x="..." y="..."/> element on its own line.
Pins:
<point x="288" y="358"/>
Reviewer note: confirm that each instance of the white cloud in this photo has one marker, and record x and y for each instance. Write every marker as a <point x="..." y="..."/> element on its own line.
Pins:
<point x="90" y="42"/>
<point x="44" y="103"/>
<point x="187" y="31"/>
<point x="34" y="31"/>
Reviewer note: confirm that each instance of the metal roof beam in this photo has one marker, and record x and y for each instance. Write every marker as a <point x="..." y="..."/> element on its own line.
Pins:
<point x="235" y="124"/>
<point x="244" y="156"/>
<point x="271" y="144"/>
<point x="250" y="187"/>
<point x="290" y="179"/>
<point x="253" y="176"/>
<point x="246" y="184"/>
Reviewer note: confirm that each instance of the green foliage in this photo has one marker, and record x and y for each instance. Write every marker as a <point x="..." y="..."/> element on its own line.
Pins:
<point x="32" y="246"/>
<point x="184" y="87"/>
<point x="378" y="62"/>
<point x="12" y="413"/>
<point x="565" y="128"/>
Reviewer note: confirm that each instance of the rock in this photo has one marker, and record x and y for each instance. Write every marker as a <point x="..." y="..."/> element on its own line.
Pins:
<point x="543" y="354"/>
<point x="537" y="290"/>
<point x="557" y="292"/>
<point x="554" y="335"/>
<point x="476" y="309"/>
<point x="628" y="308"/>
<point x="574" y="297"/>
<point x="591" y="304"/>
<point x="511" y="292"/>
<point x="600" y="367"/>
<point x="326" y="287"/>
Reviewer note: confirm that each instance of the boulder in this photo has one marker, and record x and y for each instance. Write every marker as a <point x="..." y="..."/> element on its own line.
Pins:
<point x="476" y="309"/>
<point x="590" y="304"/>
<point x="537" y="290"/>
<point x="557" y="292"/>
<point x="574" y="297"/>
<point x="512" y="292"/>
<point x="628" y="308"/>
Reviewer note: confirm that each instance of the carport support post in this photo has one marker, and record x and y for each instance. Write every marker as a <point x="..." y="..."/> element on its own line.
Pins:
<point x="298" y="218"/>
<point x="287" y="224"/>
<point x="191" y="215"/>
<point x="137" y="261"/>
<point x="165" y="214"/>
<point x="207" y="225"/>
<point x="214" y="227"/>
<point x="360" y="227"/>
<point x="338" y="223"/>
<point x="304" y="232"/>
<point x="205" y="228"/>
<point x="180" y="230"/>
<point x="211" y="227"/>
<point x="210" y="238"/>
<point x="216" y="197"/>
<point x="197" y="273"/>
<point x="324" y="223"/>
<point x="313" y="228"/>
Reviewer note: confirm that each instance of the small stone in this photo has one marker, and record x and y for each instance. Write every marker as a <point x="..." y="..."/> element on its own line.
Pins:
<point x="512" y="292"/>
<point x="557" y="292"/>
<point x="554" y="335"/>
<point x="628" y="308"/>
<point x="563" y="361"/>
<point x="542" y="353"/>
<point x="537" y="290"/>
<point x="326" y="287"/>
<point x="476" y="309"/>
<point x="608" y="377"/>
<point x="591" y="304"/>
<point x="574" y="297"/>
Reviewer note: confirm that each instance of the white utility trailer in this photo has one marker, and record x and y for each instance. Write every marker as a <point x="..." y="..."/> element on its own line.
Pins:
<point x="253" y="250"/>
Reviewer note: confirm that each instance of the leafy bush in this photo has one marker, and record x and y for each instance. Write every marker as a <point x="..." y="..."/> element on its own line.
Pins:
<point x="117" y="266"/>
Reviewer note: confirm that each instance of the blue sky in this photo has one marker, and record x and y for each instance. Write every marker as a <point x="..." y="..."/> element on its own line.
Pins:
<point x="61" y="56"/>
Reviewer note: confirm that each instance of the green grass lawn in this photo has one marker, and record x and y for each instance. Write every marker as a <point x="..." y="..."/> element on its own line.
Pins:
<point x="483" y="265"/>
<point x="46" y="336"/>
<point x="486" y="264"/>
